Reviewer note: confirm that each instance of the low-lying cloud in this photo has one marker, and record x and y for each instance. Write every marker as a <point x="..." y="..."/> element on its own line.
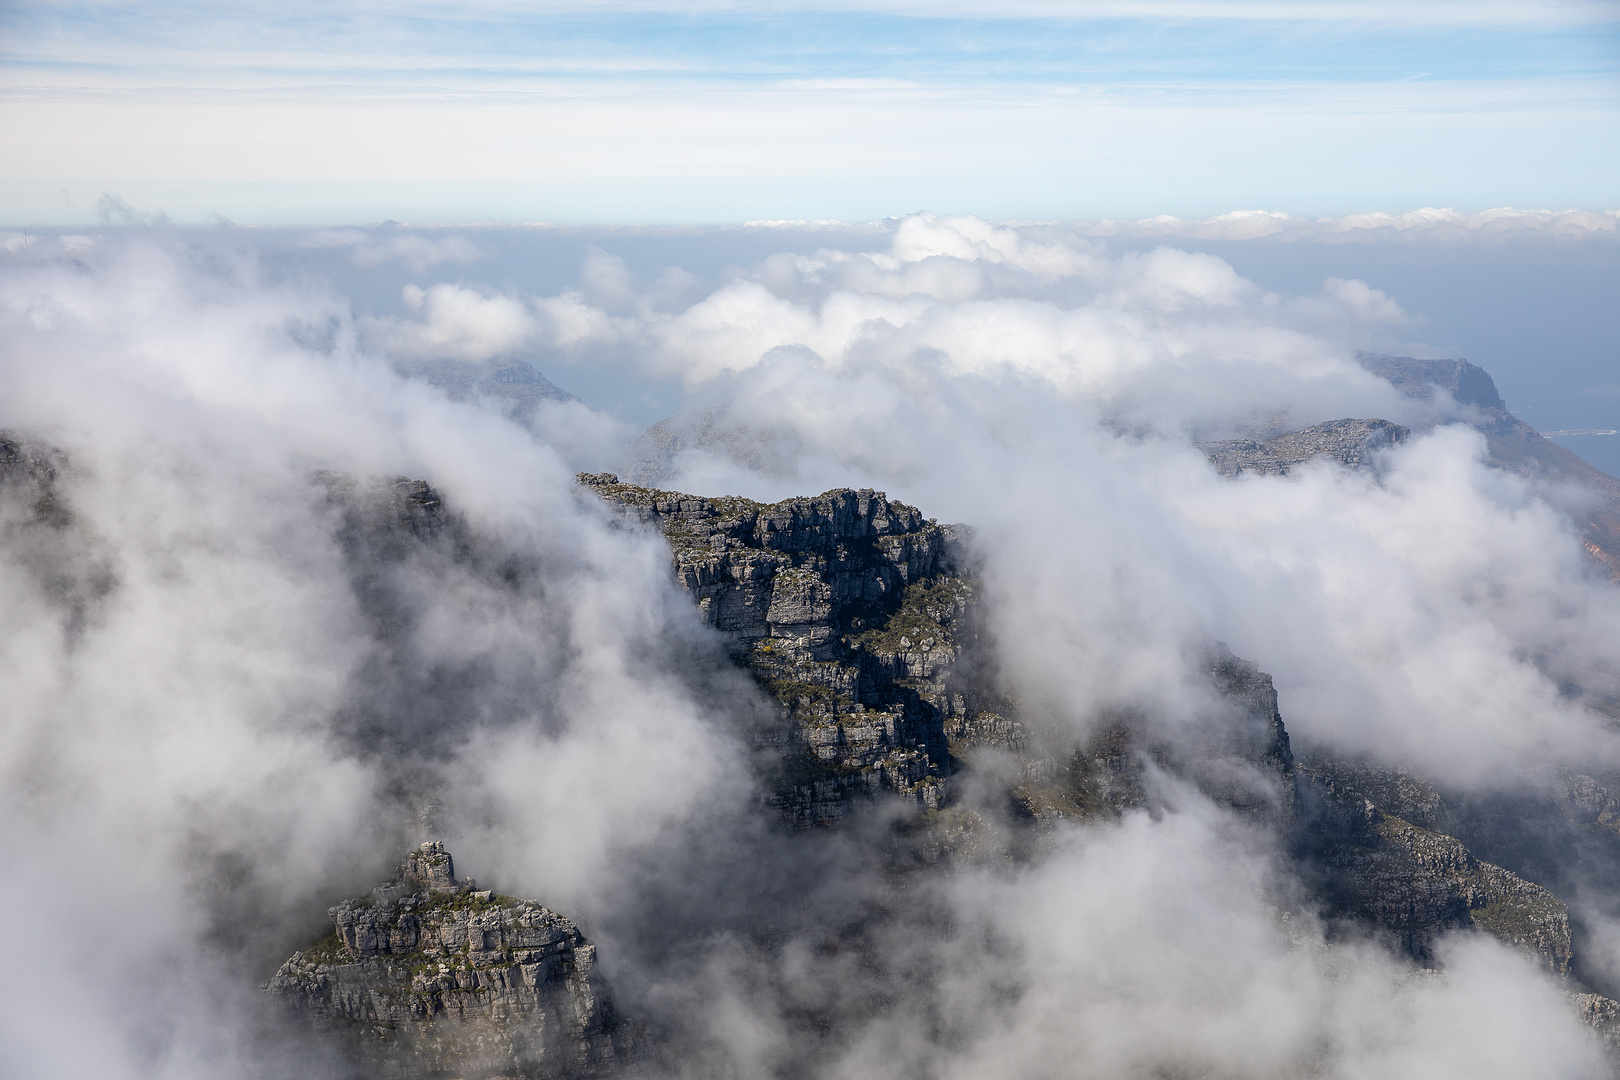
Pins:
<point x="225" y="726"/>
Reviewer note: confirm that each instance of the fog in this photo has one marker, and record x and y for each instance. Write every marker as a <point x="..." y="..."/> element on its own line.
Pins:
<point x="220" y="718"/>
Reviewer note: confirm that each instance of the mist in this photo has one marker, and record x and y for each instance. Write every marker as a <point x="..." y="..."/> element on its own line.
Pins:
<point x="225" y="712"/>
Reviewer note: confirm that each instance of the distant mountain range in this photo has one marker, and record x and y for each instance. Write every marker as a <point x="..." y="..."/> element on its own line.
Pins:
<point x="1512" y="444"/>
<point x="515" y="385"/>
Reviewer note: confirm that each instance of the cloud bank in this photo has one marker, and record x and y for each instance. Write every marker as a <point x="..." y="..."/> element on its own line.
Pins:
<point x="225" y="712"/>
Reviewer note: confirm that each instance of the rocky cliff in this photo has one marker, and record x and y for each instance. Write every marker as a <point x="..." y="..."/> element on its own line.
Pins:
<point x="856" y="615"/>
<point x="853" y="612"/>
<point x="1411" y="882"/>
<point x="428" y="976"/>
<point x="844" y="606"/>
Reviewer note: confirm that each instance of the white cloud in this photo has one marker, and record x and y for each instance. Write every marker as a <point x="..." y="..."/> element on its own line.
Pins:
<point x="449" y="321"/>
<point x="418" y="252"/>
<point x="194" y="739"/>
<point x="963" y="371"/>
<point x="1426" y="226"/>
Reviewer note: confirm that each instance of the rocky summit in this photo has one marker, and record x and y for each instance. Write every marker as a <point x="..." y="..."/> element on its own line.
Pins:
<point x="430" y="976"/>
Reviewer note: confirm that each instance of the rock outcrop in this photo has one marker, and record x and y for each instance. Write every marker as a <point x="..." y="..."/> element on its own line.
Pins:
<point x="427" y="976"/>
<point x="845" y="607"/>
<point x="1349" y="442"/>
<point x="1238" y="755"/>
<point x="854" y="613"/>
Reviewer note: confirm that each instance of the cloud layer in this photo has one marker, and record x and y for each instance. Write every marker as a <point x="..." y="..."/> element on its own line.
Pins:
<point x="219" y="721"/>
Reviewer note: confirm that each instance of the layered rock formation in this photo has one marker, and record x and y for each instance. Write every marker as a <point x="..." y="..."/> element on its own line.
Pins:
<point x="853" y="614"/>
<point x="1416" y="883"/>
<point x="844" y="607"/>
<point x="1238" y="755"/>
<point x="427" y="976"/>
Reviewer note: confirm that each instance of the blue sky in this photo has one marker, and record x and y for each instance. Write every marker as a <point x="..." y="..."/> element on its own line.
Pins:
<point x="731" y="112"/>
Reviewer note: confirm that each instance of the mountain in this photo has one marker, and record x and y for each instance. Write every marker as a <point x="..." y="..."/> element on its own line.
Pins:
<point x="887" y="726"/>
<point x="514" y="385"/>
<point x="1512" y="444"/>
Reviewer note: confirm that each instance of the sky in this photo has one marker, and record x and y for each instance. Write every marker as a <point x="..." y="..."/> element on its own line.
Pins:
<point x="729" y="112"/>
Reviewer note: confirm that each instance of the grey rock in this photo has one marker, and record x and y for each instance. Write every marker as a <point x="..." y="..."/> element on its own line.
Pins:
<point x="388" y="509"/>
<point x="1417" y="883"/>
<point x="426" y="977"/>
<point x="841" y="607"/>
<point x="1468" y="384"/>
<point x="1602" y="1015"/>
<point x="855" y="614"/>
<point x="1349" y="442"/>
<point x="430" y="868"/>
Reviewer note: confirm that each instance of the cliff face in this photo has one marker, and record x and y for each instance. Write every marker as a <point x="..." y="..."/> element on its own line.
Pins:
<point x="1414" y="882"/>
<point x="843" y="607"/>
<point x="853" y="613"/>
<point x="427" y="976"/>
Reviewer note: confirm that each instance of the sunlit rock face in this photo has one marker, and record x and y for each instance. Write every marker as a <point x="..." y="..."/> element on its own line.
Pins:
<point x="430" y="976"/>
<point x="842" y="605"/>
<point x="857" y="618"/>
<point x="1373" y="833"/>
